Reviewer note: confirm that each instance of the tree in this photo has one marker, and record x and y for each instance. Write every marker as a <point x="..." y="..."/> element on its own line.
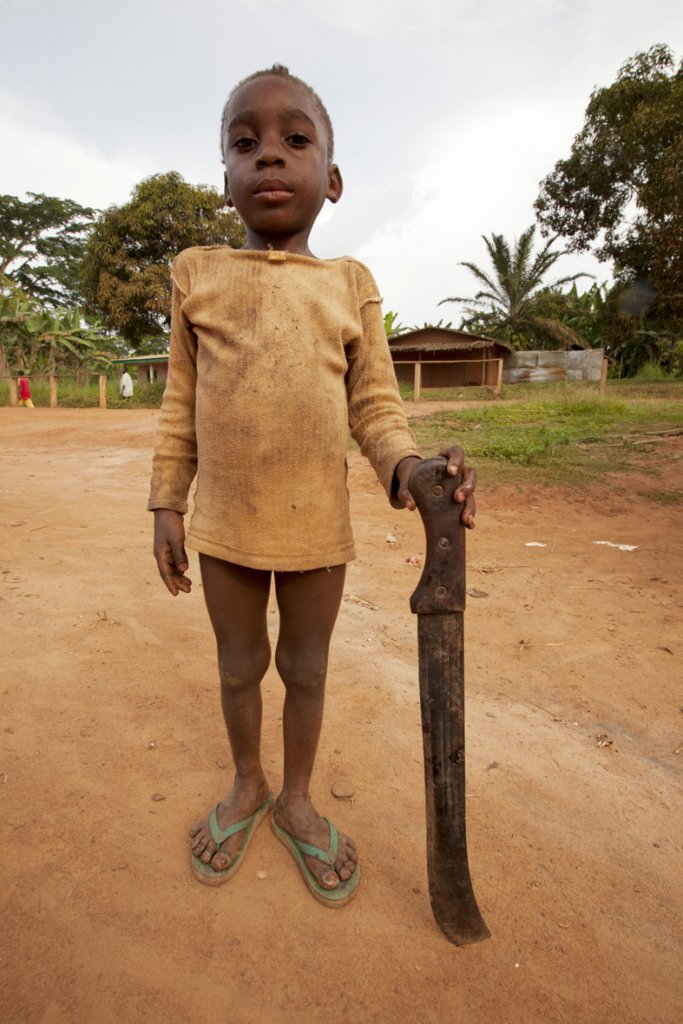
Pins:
<point x="41" y="245"/>
<point x="512" y="305"/>
<point x="35" y="338"/>
<point x="125" y="274"/>
<point x="619" y="191"/>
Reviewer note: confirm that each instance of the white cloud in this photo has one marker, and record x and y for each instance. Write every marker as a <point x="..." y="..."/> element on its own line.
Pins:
<point x="483" y="179"/>
<point x="39" y="157"/>
<point x="372" y="17"/>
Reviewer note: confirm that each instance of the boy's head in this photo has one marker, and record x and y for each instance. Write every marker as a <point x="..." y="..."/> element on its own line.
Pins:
<point x="282" y="72"/>
<point x="277" y="140"/>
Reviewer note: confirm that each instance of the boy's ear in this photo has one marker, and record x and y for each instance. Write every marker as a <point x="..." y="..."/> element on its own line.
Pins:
<point x="226" y="190"/>
<point x="335" y="185"/>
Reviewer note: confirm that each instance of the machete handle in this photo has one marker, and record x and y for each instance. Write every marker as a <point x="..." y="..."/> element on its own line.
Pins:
<point x="441" y="588"/>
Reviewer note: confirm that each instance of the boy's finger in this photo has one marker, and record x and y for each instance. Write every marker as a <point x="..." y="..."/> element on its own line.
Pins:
<point x="468" y="512"/>
<point x="456" y="457"/>
<point x="406" y="498"/>
<point x="179" y="556"/>
<point x="469" y="482"/>
<point x="171" y="573"/>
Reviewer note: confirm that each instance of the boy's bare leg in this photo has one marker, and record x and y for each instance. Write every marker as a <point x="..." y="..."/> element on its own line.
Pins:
<point x="308" y="604"/>
<point x="237" y="601"/>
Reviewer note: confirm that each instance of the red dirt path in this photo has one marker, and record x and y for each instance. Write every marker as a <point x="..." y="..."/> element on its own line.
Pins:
<point x="109" y="698"/>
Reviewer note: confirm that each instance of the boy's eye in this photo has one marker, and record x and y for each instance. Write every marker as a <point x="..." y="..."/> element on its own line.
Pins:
<point x="244" y="142"/>
<point x="298" y="139"/>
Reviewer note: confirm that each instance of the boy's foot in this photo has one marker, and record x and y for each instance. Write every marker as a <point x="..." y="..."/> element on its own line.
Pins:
<point x="298" y="817"/>
<point x="244" y="800"/>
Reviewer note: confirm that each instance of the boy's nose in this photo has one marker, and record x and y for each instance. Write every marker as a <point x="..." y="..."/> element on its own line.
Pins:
<point x="270" y="153"/>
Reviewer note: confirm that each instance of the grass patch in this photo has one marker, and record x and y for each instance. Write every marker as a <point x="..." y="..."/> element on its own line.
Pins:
<point x="565" y="441"/>
<point x="73" y="395"/>
<point x="469" y="394"/>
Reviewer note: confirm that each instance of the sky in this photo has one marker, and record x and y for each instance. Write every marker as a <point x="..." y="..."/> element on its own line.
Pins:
<point x="447" y="113"/>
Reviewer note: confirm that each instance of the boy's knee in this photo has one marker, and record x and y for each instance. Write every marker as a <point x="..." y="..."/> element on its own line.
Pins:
<point x="241" y="670"/>
<point x="302" y="670"/>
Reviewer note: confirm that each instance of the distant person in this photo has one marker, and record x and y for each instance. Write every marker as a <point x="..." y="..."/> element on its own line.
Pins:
<point x="126" y="384"/>
<point x="274" y="353"/>
<point x="25" y="393"/>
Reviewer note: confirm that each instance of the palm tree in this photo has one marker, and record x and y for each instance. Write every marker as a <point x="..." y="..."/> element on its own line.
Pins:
<point x="510" y="304"/>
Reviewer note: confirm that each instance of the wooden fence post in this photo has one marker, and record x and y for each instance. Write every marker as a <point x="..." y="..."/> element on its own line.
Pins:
<point x="103" y="391"/>
<point x="417" y="385"/>
<point x="13" y="394"/>
<point x="603" y="378"/>
<point x="499" y="379"/>
<point x="53" y="391"/>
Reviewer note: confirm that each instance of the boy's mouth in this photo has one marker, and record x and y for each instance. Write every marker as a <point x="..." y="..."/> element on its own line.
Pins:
<point x="272" y="189"/>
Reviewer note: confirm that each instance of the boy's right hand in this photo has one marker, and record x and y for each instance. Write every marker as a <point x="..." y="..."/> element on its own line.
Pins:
<point x="169" y="550"/>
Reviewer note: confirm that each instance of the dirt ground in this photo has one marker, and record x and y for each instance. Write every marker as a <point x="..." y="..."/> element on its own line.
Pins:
<point x="112" y="744"/>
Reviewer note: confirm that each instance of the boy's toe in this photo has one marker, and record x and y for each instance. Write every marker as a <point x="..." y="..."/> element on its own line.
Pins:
<point x="199" y="845"/>
<point x="221" y="860"/>
<point x="329" y="879"/>
<point x="346" y="871"/>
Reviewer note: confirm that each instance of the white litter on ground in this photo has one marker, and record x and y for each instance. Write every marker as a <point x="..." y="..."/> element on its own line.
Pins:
<point x="535" y="544"/>
<point x="621" y="547"/>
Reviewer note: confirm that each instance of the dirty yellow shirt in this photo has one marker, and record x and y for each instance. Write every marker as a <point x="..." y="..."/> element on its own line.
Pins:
<point x="273" y="357"/>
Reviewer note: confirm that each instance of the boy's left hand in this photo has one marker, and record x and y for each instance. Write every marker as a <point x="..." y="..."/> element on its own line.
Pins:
<point x="456" y="464"/>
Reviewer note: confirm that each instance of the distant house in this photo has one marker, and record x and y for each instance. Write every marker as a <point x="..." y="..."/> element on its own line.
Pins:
<point x="447" y="358"/>
<point x="146" y="368"/>
<point x="440" y="357"/>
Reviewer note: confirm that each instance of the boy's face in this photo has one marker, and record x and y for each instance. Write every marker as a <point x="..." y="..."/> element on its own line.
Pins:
<point x="277" y="173"/>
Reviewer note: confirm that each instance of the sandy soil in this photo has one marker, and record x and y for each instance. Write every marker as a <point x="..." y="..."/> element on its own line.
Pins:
<point x="112" y="745"/>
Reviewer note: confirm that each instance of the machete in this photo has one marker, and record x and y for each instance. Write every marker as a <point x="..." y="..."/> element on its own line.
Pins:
<point x="439" y="602"/>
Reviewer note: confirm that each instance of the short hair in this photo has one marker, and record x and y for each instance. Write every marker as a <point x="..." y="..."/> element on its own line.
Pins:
<point x="283" y="72"/>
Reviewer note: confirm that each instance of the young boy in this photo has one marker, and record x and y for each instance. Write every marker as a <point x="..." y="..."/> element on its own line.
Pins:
<point x="274" y="353"/>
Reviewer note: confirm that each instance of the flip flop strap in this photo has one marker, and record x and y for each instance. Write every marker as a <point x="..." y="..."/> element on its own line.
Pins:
<point x="326" y="856"/>
<point x="219" y="835"/>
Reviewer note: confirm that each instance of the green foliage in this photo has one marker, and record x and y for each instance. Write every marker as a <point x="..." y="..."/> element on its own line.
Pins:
<point x="619" y="191"/>
<point x="41" y="246"/>
<point x="126" y="269"/>
<point x="432" y="326"/>
<point x="512" y="304"/>
<point x="33" y="338"/>
<point x="584" y="313"/>
<point x="392" y="326"/>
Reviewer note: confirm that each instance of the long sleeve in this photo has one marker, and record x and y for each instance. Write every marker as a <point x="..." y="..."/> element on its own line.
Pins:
<point x="376" y="417"/>
<point x="175" y="453"/>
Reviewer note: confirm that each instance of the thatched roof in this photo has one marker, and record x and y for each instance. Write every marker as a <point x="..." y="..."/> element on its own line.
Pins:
<point x="443" y="339"/>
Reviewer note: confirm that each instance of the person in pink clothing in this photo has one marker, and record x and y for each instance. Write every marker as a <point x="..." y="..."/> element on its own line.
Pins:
<point x="229" y="309"/>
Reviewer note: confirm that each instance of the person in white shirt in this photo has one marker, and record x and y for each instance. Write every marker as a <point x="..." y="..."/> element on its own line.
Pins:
<point x="126" y="384"/>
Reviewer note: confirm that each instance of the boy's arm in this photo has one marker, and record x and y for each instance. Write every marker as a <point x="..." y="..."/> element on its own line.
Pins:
<point x="376" y="417"/>
<point x="378" y="422"/>
<point x="175" y="452"/>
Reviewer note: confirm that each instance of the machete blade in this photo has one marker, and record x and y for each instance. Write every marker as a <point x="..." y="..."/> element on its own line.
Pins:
<point x="439" y="602"/>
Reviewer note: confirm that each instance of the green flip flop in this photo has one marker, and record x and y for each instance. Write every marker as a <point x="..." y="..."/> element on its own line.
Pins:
<point x="204" y="872"/>
<point x="345" y="891"/>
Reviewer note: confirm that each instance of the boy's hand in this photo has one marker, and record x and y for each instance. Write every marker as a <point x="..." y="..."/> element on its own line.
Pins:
<point x="456" y="464"/>
<point x="169" y="550"/>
